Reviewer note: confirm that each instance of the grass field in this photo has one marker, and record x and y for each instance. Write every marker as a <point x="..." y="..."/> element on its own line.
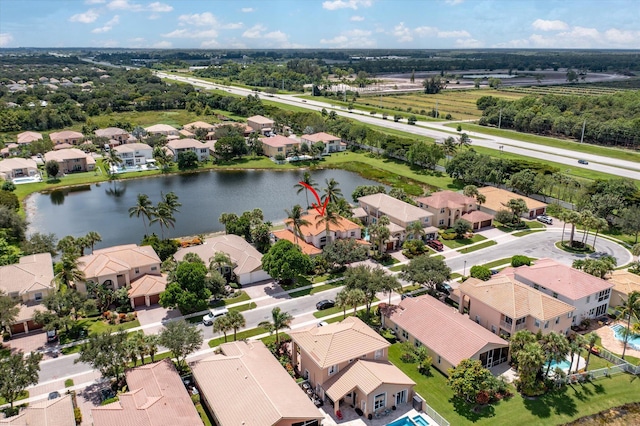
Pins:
<point x="478" y="247"/>
<point x="461" y="242"/>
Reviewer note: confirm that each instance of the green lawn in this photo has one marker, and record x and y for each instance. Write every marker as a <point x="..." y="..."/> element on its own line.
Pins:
<point x="241" y="297"/>
<point x="314" y="290"/>
<point x="244" y="307"/>
<point x="241" y="335"/>
<point x="461" y="242"/>
<point x="554" y="408"/>
<point x="396" y="268"/>
<point x="523" y="233"/>
<point x="23" y="395"/>
<point x="204" y="416"/>
<point x="478" y="247"/>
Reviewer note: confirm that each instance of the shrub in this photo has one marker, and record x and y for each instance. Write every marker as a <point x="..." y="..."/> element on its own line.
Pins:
<point x="77" y="415"/>
<point x="519" y="260"/>
<point x="480" y="272"/>
<point x="130" y="317"/>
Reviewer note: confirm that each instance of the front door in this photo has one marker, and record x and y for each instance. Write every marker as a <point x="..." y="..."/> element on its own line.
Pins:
<point x="401" y="397"/>
<point x="363" y="405"/>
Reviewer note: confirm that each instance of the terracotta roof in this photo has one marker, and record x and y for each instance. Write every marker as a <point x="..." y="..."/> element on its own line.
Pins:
<point x="51" y="412"/>
<point x="366" y="376"/>
<point x="184" y="143"/>
<point x="498" y="198"/>
<point x="68" y="154"/>
<point x="33" y="272"/>
<point x="62" y="146"/>
<point x="157" y="397"/>
<point x="161" y="128"/>
<point x="260" y="119"/>
<point x="186" y="133"/>
<point x="476" y="216"/>
<point x="244" y="255"/>
<point x="338" y="342"/>
<point x="148" y="285"/>
<point x="198" y="125"/>
<point x="65" y="134"/>
<point x="257" y="391"/>
<point x="320" y="137"/>
<point x="316" y="227"/>
<point x="28" y="137"/>
<point x="562" y="279"/>
<point x="11" y="164"/>
<point x="359" y="212"/>
<point x="510" y="297"/>
<point x="394" y="208"/>
<point x="423" y="317"/>
<point x="306" y="248"/>
<point x="132" y="147"/>
<point x="110" y="132"/>
<point x="448" y="199"/>
<point x="117" y="259"/>
<point x="624" y="281"/>
<point x="278" y="141"/>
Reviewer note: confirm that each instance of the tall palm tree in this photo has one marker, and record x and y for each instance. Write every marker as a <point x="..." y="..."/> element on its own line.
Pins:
<point x="354" y="298"/>
<point x="171" y="200"/>
<point x="575" y="345"/>
<point x="330" y="217"/>
<point x="590" y="341"/>
<point x="164" y="217"/>
<point x="236" y="321"/>
<point x="143" y="208"/>
<point x="279" y="321"/>
<point x="69" y="271"/>
<point x="296" y="220"/>
<point x="449" y="147"/>
<point x="332" y="191"/>
<point x="415" y="229"/>
<point x="342" y="301"/>
<point x="219" y="261"/>
<point x="599" y="224"/>
<point x="388" y="283"/>
<point x="222" y="325"/>
<point x="306" y="178"/>
<point x="82" y="243"/>
<point x="631" y="309"/>
<point x="112" y="160"/>
<point x="464" y="141"/>
<point x="152" y="341"/>
<point x="556" y="347"/>
<point x="163" y="159"/>
<point x="92" y="238"/>
<point x="572" y="217"/>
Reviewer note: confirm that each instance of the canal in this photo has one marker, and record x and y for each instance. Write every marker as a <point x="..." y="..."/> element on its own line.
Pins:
<point x="104" y="207"/>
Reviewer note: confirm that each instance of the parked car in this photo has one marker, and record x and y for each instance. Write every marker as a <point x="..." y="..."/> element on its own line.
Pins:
<point x="583" y="161"/>
<point x="325" y="304"/>
<point x="444" y="288"/>
<point x="52" y="335"/>
<point x="435" y="244"/>
<point x="322" y="323"/>
<point x="213" y="314"/>
<point x="54" y="395"/>
<point x="545" y="219"/>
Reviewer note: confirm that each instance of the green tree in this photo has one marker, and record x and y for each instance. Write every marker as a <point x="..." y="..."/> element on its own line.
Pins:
<point x="285" y="261"/>
<point x="427" y="271"/>
<point x="556" y="348"/>
<point x="629" y="221"/>
<point x="353" y="298"/>
<point x="9" y="311"/>
<point x="111" y="160"/>
<point x="480" y="272"/>
<point x="590" y="341"/>
<point x="182" y="339"/>
<point x="520" y="260"/>
<point x="630" y="309"/>
<point x="517" y="343"/>
<point x="464" y="141"/>
<point x="222" y="325"/>
<point x="295" y="219"/>
<point x="279" y="320"/>
<point x="523" y="181"/>
<point x="434" y="85"/>
<point x="531" y="358"/>
<point x="163" y="215"/>
<point x="52" y="168"/>
<point x="330" y="217"/>
<point x="163" y="159"/>
<point x="517" y="206"/>
<point x="106" y="352"/>
<point x="340" y="252"/>
<point x="380" y="233"/>
<point x="143" y="208"/>
<point x="332" y="191"/>
<point x="415" y="230"/>
<point x="461" y="227"/>
<point x="236" y="321"/>
<point x="469" y="379"/>
<point x="187" y="160"/>
<point x="40" y="243"/>
<point x="69" y="270"/>
<point x="18" y="372"/>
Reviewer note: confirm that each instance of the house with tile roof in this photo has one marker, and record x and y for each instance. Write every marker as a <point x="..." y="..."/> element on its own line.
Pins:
<point x="400" y="214"/>
<point x="66" y="136"/>
<point x="50" y="412"/>
<point x="278" y="145"/>
<point x="113" y="133"/>
<point x="315" y="232"/>
<point x="162" y="129"/>
<point x="497" y="199"/>
<point x="348" y="361"/>
<point x="257" y="390"/>
<point x="71" y="160"/>
<point x="260" y="124"/>
<point x="156" y="397"/>
<point x="134" y="154"/>
<point x="246" y="259"/>
<point x="183" y="145"/>
<point x="17" y="167"/>
<point x="28" y="282"/>
<point x="449" y="206"/>
<point x="504" y="305"/>
<point x="192" y="127"/>
<point x="588" y="294"/>
<point x="419" y="321"/>
<point x="331" y="143"/>
<point x="624" y="282"/>
<point x="28" y="137"/>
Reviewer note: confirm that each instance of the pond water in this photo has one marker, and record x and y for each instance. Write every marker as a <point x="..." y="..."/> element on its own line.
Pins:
<point x="104" y="207"/>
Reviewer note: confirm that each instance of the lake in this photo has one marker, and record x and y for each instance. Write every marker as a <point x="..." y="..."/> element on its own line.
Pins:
<point x="104" y="207"/>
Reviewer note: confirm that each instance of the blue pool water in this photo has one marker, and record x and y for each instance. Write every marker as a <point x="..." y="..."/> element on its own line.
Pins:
<point x="634" y="339"/>
<point x="406" y="421"/>
<point x="420" y="421"/>
<point x="564" y="365"/>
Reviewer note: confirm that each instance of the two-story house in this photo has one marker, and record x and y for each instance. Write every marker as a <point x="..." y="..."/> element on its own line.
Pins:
<point x="496" y="199"/>
<point x="400" y="214"/>
<point x="588" y="294"/>
<point x="315" y="232"/>
<point x="28" y="282"/>
<point x="113" y="134"/>
<point x="448" y="206"/>
<point x="624" y="283"/>
<point x="331" y="143"/>
<point x="505" y="305"/>
<point x="26" y="138"/>
<point x="349" y="361"/>
<point x="71" y="160"/>
<point x="17" y="167"/>
<point x="260" y="124"/>
<point x="66" y="136"/>
<point x="134" y="154"/>
<point x="278" y="145"/>
<point x="183" y="145"/>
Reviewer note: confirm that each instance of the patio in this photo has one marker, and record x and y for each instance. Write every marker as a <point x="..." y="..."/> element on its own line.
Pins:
<point x="351" y="418"/>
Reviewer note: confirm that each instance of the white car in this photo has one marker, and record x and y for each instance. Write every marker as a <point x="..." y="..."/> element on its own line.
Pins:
<point x="545" y="219"/>
<point x="213" y="314"/>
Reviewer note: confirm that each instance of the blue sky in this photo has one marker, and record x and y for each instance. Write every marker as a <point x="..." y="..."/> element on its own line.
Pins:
<point x="424" y="24"/>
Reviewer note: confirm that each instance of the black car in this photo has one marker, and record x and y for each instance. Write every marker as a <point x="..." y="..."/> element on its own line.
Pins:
<point x="583" y="162"/>
<point x="325" y="304"/>
<point x="54" y="395"/>
<point x="444" y="288"/>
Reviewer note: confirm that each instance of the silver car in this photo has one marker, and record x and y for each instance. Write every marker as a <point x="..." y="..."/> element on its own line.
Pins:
<point x="213" y="314"/>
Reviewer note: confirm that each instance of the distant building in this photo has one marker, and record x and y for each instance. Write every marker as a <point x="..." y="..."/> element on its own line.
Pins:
<point x="331" y="143"/>
<point x="624" y="282"/>
<point x="278" y="145"/>
<point x="162" y="129"/>
<point x="16" y="167"/>
<point x="260" y="124"/>
<point x="66" y="136"/>
<point x="28" y="137"/>
<point x="448" y="206"/>
<point x="71" y="160"/>
<point x="184" y="145"/>
<point x="113" y="133"/>
<point x="134" y="154"/>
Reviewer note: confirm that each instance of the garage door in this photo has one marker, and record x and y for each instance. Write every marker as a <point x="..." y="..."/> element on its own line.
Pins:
<point x="17" y="328"/>
<point x="154" y="299"/>
<point x="485" y="223"/>
<point x="138" y="301"/>
<point x="33" y="326"/>
<point x="539" y="212"/>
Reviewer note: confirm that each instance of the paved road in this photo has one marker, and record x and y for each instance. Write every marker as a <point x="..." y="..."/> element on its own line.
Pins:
<point x="434" y="130"/>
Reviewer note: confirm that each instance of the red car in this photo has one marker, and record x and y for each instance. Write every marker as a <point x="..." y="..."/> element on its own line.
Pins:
<point x="435" y="244"/>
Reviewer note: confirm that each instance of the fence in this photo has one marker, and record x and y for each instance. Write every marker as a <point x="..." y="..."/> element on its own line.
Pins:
<point x="440" y="421"/>
<point x="621" y="366"/>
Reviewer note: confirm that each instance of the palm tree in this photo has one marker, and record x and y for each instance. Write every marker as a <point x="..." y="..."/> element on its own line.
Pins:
<point x="330" y="217"/>
<point x="152" y="342"/>
<point x="164" y="217"/>
<point x="306" y="178"/>
<point x="449" y="147"/>
<point x="171" y="200"/>
<point x="556" y="347"/>
<point x="464" y="141"/>
<point x="631" y="309"/>
<point x="354" y="298"/>
<point x="163" y="159"/>
<point x="219" y="261"/>
<point x="415" y="229"/>
<point x="380" y="232"/>
<point x="236" y="321"/>
<point x="144" y="208"/>
<point x="342" y="301"/>
<point x="563" y="216"/>
<point x="92" y="238"/>
<point x="635" y="250"/>
<point x="82" y="243"/>
<point x="599" y="224"/>
<point x="69" y="271"/>
<point x="222" y="325"/>
<point x="112" y="160"/>
<point x="572" y="217"/>
<point x="575" y="345"/>
<point x="388" y="283"/>
<point x="141" y="345"/>
<point x="297" y="222"/>
<point x="279" y="320"/>
<point x="332" y="192"/>
<point x="590" y="340"/>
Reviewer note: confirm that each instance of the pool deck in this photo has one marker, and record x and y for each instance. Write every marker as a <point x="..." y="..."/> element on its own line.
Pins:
<point x="350" y="418"/>
<point x="612" y="344"/>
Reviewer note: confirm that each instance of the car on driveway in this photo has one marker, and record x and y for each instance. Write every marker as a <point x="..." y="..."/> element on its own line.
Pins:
<point x="435" y="244"/>
<point x="325" y="304"/>
<point x="213" y="314"/>
<point x="545" y="219"/>
<point x="444" y="288"/>
<point x="54" y="395"/>
<point x="583" y="161"/>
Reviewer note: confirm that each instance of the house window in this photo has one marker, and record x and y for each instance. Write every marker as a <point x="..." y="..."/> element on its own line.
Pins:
<point x="570" y="314"/>
<point x="353" y="233"/>
<point x="521" y="321"/>
<point x="154" y="268"/>
<point x="137" y="270"/>
<point x="508" y="320"/>
<point x="439" y="359"/>
<point x="588" y="299"/>
<point x="333" y="370"/>
<point x="418" y="343"/>
<point x="555" y="295"/>
<point x="604" y="295"/>
<point x="441" y="222"/>
<point x="557" y="320"/>
<point x="378" y="354"/>
<point x="493" y="329"/>
<point x="478" y="319"/>
<point x="379" y="402"/>
<point x="546" y="324"/>
<point x="405" y="334"/>
<point x="536" y="286"/>
<point x="441" y="210"/>
<point x="601" y="310"/>
<point x="537" y="323"/>
<point x="37" y="297"/>
<point x="592" y="311"/>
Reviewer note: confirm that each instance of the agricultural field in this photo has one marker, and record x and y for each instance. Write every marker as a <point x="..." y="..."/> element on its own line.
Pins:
<point x="578" y="90"/>
<point x="461" y="104"/>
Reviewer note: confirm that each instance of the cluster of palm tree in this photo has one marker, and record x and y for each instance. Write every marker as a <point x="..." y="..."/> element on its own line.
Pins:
<point x="630" y="310"/>
<point x="587" y="220"/>
<point x="596" y="267"/>
<point x="234" y="320"/>
<point x="140" y="346"/>
<point x="162" y="213"/>
<point x="68" y="269"/>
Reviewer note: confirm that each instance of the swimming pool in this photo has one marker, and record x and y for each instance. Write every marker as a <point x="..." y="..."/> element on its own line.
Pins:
<point x="634" y="339"/>
<point x="420" y="421"/>
<point x="26" y="179"/>
<point x="406" y="421"/>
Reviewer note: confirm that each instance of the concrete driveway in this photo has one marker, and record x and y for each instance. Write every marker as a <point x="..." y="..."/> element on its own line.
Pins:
<point x="155" y="314"/>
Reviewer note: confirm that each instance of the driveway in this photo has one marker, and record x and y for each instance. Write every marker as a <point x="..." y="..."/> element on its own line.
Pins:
<point x="155" y="315"/>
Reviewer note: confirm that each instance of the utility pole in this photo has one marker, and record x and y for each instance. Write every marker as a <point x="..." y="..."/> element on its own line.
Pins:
<point x="436" y="109"/>
<point x="283" y="83"/>
<point x="584" y="123"/>
<point x="500" y="118"/>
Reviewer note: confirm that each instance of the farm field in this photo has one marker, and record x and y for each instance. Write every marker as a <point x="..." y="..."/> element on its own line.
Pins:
<point x="576" y="89"/>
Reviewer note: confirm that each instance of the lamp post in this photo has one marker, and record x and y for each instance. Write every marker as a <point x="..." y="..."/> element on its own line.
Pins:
<point x="464" y="271"/>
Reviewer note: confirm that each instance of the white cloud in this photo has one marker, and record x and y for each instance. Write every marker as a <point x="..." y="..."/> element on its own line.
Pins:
<point x="232" y="26"/>
<point x="198" y="19"/>
<point x="255" y="31"/>
<point x="137" y="42"/>
<point x="454" y="2"/>
<point x="543" y="25"/>
<point x="86" y="18"/>
<point x="159" y="7"/>
<point x="357" y="18"/>
<point x="469" y="43"/>
<point x="453" y="34"/>
<point x="209" y="44"/>
<point x="95" y="1"/>
<point x="155" y="7"/>
<point x="345" y="4"/>
<point x="617" y="36"/>
<point x="402" y="33"/>
<point x="108" y="26"/>
<point x="352" y="38"/>
<point x="189" y="33"/>
<point x="5" y="39"/>
<point x="109" y="43"/>
<point x="162" y="45"/>
<point x="425" y="31"/>
<point x="247" y="10"/>
<point x="278" y="36"/>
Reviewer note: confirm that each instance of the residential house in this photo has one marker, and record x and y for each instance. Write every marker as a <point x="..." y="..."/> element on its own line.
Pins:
<point x="497" y="199"/>
<point x="247" y="261"/>
<point x="183" y="145"/>
<point x="113" y="133"/>
<point x="624" y="283"/>
<point x="448" y="206"/>
<point x="305" y="247"/>
<point x="331" y="143"/>
<point x="588" y="294"/>
<point x="278" y="145"/>
<point x="315" y="233"/>
<point x="260" y="124"/>
<point x="49" y="412"/>
<point x="71" y="160"/>
<point x="17" y="167"/>
<point x="192" y="127"/>
<point x="134" y="154"/>
<point x="25" y="138"/>
<point x="251" y="375"/>
<point x="400" y="214"/>
<point x="156" y="397"/>
<point x="66" y="136"/>
<point x="162" y="129"/>
<point x="9" y="150"/>
<point x="121" y="266"/>
<point x="347" y="362"/>
<point x="505" y="305"/>
<point x="145" y="291"/>
<point x="28" y="282"/>
<point x="419" y="320"/>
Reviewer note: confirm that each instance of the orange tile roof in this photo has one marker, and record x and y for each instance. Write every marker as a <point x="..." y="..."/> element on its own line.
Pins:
<point x="449" y="199"/>
<point x="148" y="285"/>
<point x="117" y="259"/>
<point x="51" y="412"/>
<point x="279" y="141"/>
<point x="31" y="273"/>
<point x="497" y="199"/>
<point x="306" y="248"/>
<point x="317" y="227"/>
<point x="624" y="281"/>
<point x="320" y="137"/>
<point x="476" y="216"/>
